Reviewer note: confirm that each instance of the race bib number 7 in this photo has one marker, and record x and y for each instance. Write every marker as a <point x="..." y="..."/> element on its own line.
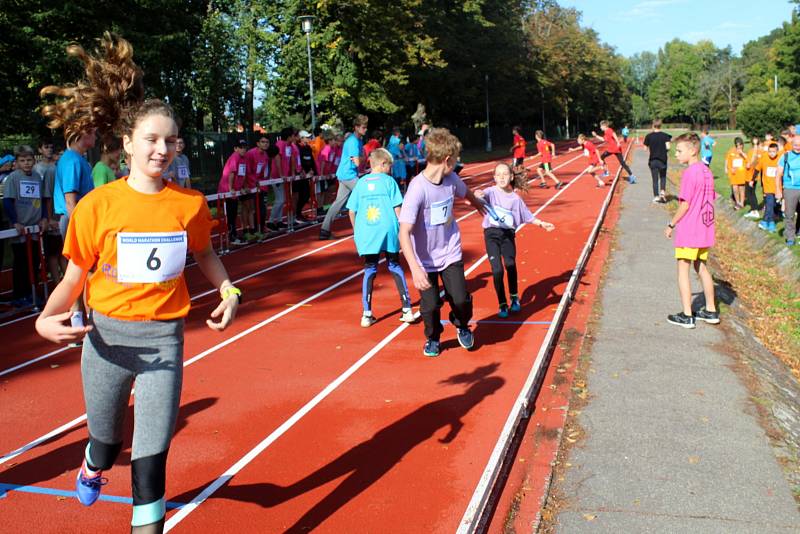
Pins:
<point x="144" y="258"/>
<point x="441" y="212"/>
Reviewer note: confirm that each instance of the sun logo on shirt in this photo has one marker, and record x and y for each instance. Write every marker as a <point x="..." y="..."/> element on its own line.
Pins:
<point x="373" y="214"/>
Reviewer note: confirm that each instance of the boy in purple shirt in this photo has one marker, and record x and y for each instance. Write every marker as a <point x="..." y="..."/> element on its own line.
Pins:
<point x="431" y="241"/>
<point x="693" y="224"/>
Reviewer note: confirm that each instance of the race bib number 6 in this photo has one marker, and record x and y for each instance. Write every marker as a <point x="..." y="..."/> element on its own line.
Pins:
<point x="441" y="211"/>
<point x="154" y="257"/>
<point x="503" y="218"/>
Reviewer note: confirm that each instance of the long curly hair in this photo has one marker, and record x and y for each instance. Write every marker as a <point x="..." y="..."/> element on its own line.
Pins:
<point x="110" y="97"/>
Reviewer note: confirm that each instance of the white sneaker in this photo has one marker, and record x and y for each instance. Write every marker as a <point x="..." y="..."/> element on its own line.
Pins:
<point x="752" y="215"/>
<point x="656" y="200"/>
<point x="407" y="316"/>
<point x="368" y="320"/>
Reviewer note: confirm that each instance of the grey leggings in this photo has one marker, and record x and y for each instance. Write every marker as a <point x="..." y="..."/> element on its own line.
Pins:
<point x="115" y="355"/>
<point x="345" y="188"/>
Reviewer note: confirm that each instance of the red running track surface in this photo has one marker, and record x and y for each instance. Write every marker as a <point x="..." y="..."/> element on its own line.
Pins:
<point x="396" y="446"/>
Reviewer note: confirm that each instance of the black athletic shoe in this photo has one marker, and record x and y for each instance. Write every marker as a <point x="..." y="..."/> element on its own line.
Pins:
<point x="681" y="319"/>
<point x="707" y="316"/>
<point x="324" y="235"/>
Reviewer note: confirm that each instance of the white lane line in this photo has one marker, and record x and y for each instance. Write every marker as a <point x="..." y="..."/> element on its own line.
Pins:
<point x="49" y="435"/>
<point x="195" y="297"/>
<point x="251" y="455"/>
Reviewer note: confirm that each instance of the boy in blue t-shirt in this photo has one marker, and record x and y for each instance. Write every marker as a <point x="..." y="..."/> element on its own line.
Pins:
<point x="374" y="207"/>
<point x="787" y="187"/>
<point x="707" y="147"/>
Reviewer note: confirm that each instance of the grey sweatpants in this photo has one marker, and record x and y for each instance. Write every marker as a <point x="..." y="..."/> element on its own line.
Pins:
<point x="345" y="188"/>
<point x="117" y="354"/>
<point x="791" y="198"/>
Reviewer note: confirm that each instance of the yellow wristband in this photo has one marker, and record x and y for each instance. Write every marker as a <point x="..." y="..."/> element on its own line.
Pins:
<point x="230" y="290"/>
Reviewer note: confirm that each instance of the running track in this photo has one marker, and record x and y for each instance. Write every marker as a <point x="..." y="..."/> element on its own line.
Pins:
<point x="296" y="417"/>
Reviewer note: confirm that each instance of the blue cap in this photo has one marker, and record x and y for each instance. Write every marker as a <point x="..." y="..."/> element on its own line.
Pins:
<point x="6" y="159"/>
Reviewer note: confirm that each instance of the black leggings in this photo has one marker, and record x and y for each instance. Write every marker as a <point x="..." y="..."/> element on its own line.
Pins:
<point x="750" y="194"/>
<point x="659" y="172"/>
<point x="455" y="293"/>
<point x="20" y="273"/>
<point x="620" y="159"/>
<point x="501" y="248"/>
<point x="231" y="211"/>
<point x="303" y="190"/>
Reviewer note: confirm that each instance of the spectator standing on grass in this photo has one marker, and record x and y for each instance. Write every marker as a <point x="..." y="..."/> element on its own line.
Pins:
<point x="23" y="204"/>
<point x="787" y="188"/>
<point x="694" y="228"/>
<point x="768" y="171"/>
<point x="707" y="147"/>
<point x="347" y="172"/>
<point x="736" y="170"/>
<point x="753" y="158"/>
<point x="658" y="144"/>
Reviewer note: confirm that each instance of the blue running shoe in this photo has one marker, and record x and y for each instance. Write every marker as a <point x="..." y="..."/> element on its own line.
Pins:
<point x="631" y="179"/>
<point x="772" y="228"/>
<point x="764" y="225"/>
<point x="503" y="313"/>
<point x="88" y="488"/>
<point x="515" y="306"/>
<point x="431" y="348"/>
<point x="465" y="338"/>
<point x="790" y="242"/>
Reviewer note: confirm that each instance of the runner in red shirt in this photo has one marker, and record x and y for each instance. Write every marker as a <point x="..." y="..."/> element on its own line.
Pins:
<point x="613" y="148"/>
<point x="547" y="151"/>
<point x="592" y="154"/>
<point x="518" y="148"/>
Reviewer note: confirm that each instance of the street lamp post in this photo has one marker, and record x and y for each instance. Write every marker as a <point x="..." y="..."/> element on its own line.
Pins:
<point x="488" y="132"/>
<point x="306" y="24"/>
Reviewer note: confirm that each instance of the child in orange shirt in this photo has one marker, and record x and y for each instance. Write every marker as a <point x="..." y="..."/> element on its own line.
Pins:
<point x="736" y="169"/>
<point x="137" y="231"/>
<point x="768" y="168"/>
<point x="753" y="157"/>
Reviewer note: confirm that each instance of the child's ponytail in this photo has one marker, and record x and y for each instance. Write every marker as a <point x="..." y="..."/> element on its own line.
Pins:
<point x="108" y="98"/>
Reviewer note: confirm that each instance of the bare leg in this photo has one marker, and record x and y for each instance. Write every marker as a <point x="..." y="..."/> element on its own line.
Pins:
<point x="685" y="286"/>
<point x="708" y="284"/>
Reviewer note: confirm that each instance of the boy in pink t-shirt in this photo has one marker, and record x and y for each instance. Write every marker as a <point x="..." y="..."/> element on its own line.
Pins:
<point x="693" y="225"/>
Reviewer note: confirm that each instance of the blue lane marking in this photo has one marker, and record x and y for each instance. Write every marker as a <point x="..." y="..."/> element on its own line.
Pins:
<point x="490" y="321"/>
<point x="5" y="488"/>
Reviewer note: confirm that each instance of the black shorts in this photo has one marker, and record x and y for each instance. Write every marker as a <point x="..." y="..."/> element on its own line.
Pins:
<point x="518" y="161"/>
<point x="53" y="245"/>
<point x="547" y="167"/>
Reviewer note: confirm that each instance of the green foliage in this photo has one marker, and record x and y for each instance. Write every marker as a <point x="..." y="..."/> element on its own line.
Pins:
<point x="762" y="112"/>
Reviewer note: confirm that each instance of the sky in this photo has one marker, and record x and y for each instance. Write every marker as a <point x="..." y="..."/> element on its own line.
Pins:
<point x="637" y="25"/>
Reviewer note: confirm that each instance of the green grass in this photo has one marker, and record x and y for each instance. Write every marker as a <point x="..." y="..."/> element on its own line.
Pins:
<point x="722" y="185"/>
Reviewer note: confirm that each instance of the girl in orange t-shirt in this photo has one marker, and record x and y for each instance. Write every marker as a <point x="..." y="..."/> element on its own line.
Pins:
<point x="136" y="231"/>
<point x="736" y="169"/>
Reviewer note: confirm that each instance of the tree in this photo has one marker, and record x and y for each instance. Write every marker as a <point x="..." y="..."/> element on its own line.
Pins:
<point x="762" y="112"/>
<point x="674" y="93"/>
